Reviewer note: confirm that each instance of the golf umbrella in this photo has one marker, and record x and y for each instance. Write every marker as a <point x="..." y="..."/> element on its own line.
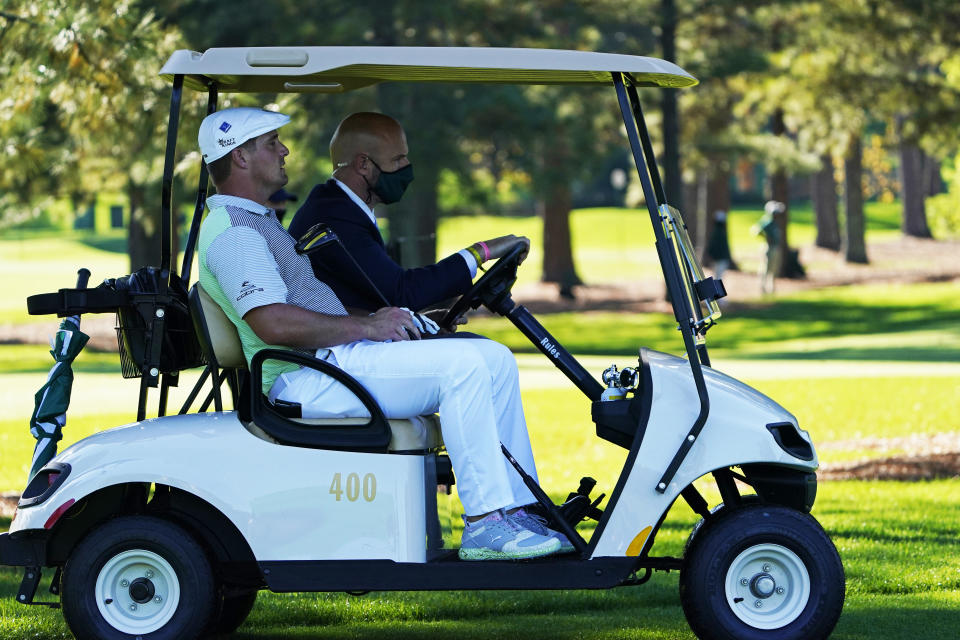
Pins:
<point x="53" y="398"/>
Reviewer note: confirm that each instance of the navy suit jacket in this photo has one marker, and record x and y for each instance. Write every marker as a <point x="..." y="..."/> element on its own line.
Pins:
<point x="413" y="288"/>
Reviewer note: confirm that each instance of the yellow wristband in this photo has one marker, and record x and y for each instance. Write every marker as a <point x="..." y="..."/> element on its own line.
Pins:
<point x="475" y="254"/>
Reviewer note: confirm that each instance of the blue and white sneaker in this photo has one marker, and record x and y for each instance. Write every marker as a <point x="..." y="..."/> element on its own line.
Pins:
<point x="538" y="525"/>
<point x="497" y="537"/>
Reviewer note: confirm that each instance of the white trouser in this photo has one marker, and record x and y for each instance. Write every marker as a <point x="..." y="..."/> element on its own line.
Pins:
<point x="472" y="383"/>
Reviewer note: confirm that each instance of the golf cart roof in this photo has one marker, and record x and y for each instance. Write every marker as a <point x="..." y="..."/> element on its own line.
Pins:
<point x="338" y="69"/>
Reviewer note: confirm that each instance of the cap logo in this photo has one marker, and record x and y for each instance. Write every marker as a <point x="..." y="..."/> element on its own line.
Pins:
<point x="225" y="127"/>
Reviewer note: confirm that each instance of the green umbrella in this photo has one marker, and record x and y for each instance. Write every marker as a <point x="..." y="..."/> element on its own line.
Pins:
<point x="53" y="398"/>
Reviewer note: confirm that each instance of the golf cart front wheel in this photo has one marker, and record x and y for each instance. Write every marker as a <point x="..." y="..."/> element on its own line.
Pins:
<point x="137" y="576"/>
<point x="762" y="572"/>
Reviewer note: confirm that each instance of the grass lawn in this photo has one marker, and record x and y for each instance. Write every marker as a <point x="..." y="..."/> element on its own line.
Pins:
<point x="610" y="245"/>
<point x="606" y="240"/>
<point x="851" y="363"/>
<point x="898" y="542"/>
<point x="918" y="322"/>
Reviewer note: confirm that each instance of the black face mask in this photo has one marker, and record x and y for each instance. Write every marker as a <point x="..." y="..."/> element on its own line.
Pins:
<point x="390" y="186"/>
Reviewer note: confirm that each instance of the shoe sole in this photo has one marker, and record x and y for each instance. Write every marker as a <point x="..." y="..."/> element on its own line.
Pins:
<point x="485" y="553"/>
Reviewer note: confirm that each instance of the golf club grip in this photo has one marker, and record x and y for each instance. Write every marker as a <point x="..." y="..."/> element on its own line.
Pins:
<point x="83" y="277"/>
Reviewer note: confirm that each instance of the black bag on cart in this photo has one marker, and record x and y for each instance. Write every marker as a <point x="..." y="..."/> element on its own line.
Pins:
<point x="137" y="325"/>
<point x="148" y="303"/>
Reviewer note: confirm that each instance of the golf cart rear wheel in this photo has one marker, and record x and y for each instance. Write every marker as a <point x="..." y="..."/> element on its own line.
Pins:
<point x="762" y="572"/>
<point x="137" y="576"/>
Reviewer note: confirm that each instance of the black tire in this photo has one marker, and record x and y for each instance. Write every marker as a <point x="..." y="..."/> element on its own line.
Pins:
<point x="234" y="610"/>
<point x="720" y="509"/>
<point x="767" y="554"/>
<point x="137" y="577"/>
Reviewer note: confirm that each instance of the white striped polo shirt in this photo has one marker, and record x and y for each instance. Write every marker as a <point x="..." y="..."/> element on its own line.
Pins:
<point x="248" y="260"/>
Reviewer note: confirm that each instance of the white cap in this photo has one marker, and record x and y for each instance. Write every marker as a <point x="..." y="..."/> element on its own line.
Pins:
<point x="774" y="206"/>
<point x="226" y="130"/>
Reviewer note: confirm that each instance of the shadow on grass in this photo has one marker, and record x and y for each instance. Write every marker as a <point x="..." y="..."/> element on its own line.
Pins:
<point x="529" y="614"/>
<point x="648" y="611"/>
<point x="809" y="319"/>
<point x="749" y="327"/>
<point x="115" y="244"/>
<point x="900" y="622"/>
<point x="943" y="536"/>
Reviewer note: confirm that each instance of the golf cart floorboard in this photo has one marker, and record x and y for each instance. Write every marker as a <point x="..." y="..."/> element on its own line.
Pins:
<point x="448" y="572"/>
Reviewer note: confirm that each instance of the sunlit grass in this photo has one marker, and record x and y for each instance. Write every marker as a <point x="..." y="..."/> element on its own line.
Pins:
<point x="610" y="245"/>
<point x="919" y="322"/>
<point x="35" y="263"/>
<point x="850" y="363"/>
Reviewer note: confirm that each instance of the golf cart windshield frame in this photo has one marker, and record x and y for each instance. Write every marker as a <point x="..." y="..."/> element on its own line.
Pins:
<point x="337" y="69"/>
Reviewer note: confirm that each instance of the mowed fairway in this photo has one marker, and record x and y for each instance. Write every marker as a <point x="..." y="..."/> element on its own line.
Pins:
<point x="855" y="365"/>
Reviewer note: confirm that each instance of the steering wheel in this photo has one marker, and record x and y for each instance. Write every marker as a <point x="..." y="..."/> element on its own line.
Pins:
<point x="491" y="290"/>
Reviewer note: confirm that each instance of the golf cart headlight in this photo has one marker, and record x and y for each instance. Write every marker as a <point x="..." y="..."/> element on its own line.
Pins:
<point x="44" y="484"/>
<point x="790" y="440"/>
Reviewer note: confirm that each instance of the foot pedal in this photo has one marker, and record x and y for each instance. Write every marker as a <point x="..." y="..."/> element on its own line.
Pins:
<point x="578" y="506"/>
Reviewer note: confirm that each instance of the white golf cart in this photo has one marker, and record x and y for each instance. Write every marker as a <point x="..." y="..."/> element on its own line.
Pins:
<point x="168" y="527"/>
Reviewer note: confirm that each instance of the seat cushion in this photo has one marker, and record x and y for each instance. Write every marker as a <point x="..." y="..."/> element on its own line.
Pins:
<point x="419" y="433"/>
<point x="222" y="333"/>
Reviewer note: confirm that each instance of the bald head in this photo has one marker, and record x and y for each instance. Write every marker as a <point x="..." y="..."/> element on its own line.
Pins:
<point x="373" y="134"/>
<point x="364" y="146"/>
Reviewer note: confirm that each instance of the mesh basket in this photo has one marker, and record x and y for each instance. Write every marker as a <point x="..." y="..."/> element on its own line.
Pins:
<point x="179" y="349"/>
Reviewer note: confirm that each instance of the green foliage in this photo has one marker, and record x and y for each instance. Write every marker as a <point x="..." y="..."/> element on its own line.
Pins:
<point x="484" y="193"/>
<point x="943" y="210"/>
<point x="87" y="108"/>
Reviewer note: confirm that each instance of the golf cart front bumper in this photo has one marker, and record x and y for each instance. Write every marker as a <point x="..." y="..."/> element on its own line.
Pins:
<point x="26" y="549"/>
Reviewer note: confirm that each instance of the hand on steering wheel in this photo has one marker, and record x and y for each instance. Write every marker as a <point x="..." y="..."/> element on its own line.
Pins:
<point x="492" y="289"/>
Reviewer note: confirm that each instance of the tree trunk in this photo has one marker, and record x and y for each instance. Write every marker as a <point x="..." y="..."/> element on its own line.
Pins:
<point x="780" y="191"/>
<point x="694" y="218"/>
<point x="715" y="192"/>
<point x="558" y="263"/>
<point x="413" y="220"/>
<point x="912" y="188"/>
<point x="672" y="178"/>
<point x="695" y="203"/>
<point x="855" y="247"/>
<point x="717" y="198"/>
<point x="932" y="180"/>
<point x="718" y="190"/>
<point x="143" y="235"/>
<point x="824" y="191"/>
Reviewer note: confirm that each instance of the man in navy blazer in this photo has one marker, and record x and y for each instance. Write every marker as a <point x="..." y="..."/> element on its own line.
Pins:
<point x="369" y="153"/>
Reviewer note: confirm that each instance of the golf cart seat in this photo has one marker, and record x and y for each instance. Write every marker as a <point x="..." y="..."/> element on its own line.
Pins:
<point x="281" y="423"/>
